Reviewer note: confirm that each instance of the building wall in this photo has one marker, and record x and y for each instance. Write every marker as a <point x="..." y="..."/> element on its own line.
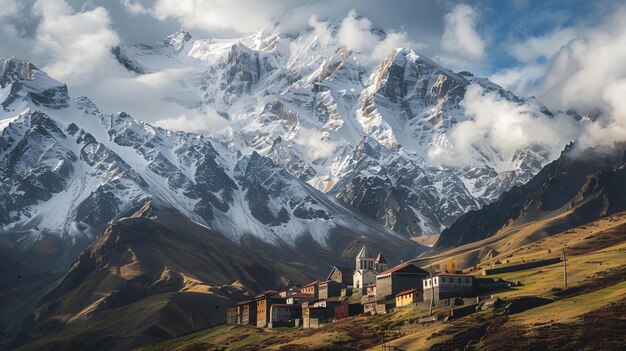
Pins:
<point x="231" y="315"/>
<point x="449" y="286"/>
<point x="369" y="308"/>
<point x="330" y="289"/>
<point x="405" y="281"/>
<point x="310" y="322"/>
<point x="343" y="279"/>
<point x="408" y="299"/>
<point x="249" y="313"/>
<point x="311" y="290"/>
<point x="521" y="266"/>
<point x="441" y="294"/>
<point x="383" y="286"/>
<point x="261" y="313"/>
<point x="395" y="283"/>
<point x="363" y="278"/>
<point x="281" y="313"/>
<point x="347" y="310"/>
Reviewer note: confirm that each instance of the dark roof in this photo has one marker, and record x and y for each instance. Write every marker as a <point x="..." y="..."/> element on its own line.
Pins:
<point x="410" y="268"/>
<point x="380" y="258"/>
<point x="328" y="282"/>
<point x="285" y="305"/>
<point x="453" y="275"/>
<point x="373" y="284"/>
<point x="302" y="296"/>
<point x="268" y="293"/>
<point x="406" y="292"/>
<point x="342" y="269"/>
<point x="312" y="283"/>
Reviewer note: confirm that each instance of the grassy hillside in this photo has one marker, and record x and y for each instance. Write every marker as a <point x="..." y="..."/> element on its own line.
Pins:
<point x="589" y="314"/>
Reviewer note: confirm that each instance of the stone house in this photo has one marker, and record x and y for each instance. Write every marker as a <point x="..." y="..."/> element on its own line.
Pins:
<point x="312" y="317"/>
<point x="284" y="315"/>
<point x="447" y="285"/>
<point x="348" y="310"/>
<point x="398" y="279"/>
<point x="342" y="275"/>
<point x="328" y="305"/>
<point x="328" y="289"/>
<point x="248" y="314"/>
<point x="233" y="315"/>
<point x="264" y="303"/>
<point x="311" y="289"/>
<point x="299" y="299"/>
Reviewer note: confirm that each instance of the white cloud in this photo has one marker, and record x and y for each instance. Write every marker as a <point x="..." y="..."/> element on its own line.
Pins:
<point x="234" y="15"/>
<point x="579" y="73"/>
<point x="542" y="47"/>
<point x="581" y="69"/>
<point x="460" y="36"/>
<point x="522" y="80"/>
<point x="194" y="121"/>
<point x="9" y="8"/>
<point x="134" y="8"/>
<point x="315" y="144"/>
<point x="72" y="45"/>
<point x="321" y="30"/>
<point x="502" y="126"/>
<point x="148" y="97"/>
<point x="357" y="34"/>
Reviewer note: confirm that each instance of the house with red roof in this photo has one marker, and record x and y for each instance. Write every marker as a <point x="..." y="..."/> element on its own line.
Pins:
<point x="409" y="297"/>
<point x="311" y="289"/>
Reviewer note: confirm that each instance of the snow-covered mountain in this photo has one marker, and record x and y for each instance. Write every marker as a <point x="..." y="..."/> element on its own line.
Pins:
<point x="358" y="133"/>
<point x="68" y="170"/>
<point x="314" y="142"/>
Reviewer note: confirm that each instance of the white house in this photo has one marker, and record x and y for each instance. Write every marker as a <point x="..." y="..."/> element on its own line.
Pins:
<point x="446" y="285"/>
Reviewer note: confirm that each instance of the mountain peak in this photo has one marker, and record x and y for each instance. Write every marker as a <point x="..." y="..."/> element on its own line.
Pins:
<point x="15" y="69"/>
<point x="178" y="39"/>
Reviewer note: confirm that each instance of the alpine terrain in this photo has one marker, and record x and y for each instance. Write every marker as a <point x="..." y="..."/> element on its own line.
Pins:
<point x="310" y="140"/>
<point x="315" y="154"/>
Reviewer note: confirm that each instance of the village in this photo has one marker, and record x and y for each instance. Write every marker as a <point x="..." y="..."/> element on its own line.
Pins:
<point x="370" y="288"/>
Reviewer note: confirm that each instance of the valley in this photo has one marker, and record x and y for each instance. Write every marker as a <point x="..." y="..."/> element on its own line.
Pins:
<point x="589" y="314"/>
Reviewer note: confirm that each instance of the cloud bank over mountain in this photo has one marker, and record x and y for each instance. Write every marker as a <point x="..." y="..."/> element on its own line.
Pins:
<point x="570" y="65"/>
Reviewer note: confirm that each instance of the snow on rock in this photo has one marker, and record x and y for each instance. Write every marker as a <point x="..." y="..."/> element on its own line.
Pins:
<point x="314" y="141"/>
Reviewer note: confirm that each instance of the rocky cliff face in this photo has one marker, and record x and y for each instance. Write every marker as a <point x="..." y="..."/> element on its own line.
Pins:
<point x="580" y="185"/>
<point x="68" y="170"/>
<point x="359" y="133"/>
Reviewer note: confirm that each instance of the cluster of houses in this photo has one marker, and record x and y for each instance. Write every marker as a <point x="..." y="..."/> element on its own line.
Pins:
<point x="371" y="287"/>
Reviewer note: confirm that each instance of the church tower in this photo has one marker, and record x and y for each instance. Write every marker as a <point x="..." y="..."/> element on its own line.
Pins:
<point x="364" y="260"/>
<point x="380" y="263"/>
<point x="365" y="273"/>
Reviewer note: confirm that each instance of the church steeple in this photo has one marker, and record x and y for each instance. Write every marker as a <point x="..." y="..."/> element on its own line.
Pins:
<point x="380" y="263"/>
<point x="364" y="260"/>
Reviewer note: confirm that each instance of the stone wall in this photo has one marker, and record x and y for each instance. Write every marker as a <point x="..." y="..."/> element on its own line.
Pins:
<point x="521" y="266"/>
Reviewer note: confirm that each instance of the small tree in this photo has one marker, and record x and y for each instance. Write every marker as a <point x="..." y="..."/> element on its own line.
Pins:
<point x="450" y="266"/>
